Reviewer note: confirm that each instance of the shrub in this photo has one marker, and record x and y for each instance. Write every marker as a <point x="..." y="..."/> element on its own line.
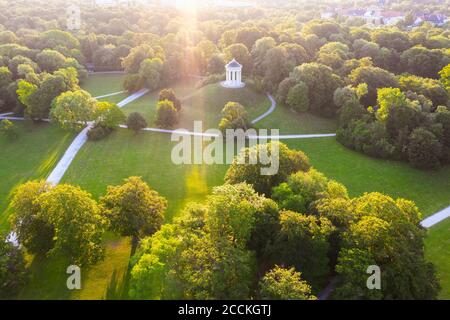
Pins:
<point x="166" y="114"/>
<point x="98" y="132"/>
<point x="169" y="94"/>
<point x="12" y="270"/>
<point x="136" y="122"/>
<point x="8" y="129"/>
<point x="234" y="117"/>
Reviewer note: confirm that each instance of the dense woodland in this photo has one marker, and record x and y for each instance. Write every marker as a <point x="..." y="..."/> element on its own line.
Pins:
<point x="278" y="238"/>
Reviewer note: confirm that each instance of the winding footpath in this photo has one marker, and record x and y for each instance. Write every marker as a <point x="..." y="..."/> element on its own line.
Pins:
<point x="268" y="112"/>
<point x="58" y="172"/>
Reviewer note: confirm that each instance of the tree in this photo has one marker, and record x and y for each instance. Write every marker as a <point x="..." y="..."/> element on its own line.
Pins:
<point x="290" y="161"/>
<point x="430" y="88"/>
<point x="284" y="284"/>
<point x="298" y="97"/>
<point x="322" y="83"/>
<point x="132" y="62"/>
<point x="12" y="270"/>
<point x="134" y="209"/>
<point x="375" y="78"/>
<point x="169" y="94"/>
<point x="386" y="233"/>
<point x="109" y="115"/>
<point x="392" y="39"/>
<point x="216" y="64"/>
<point x="259" y="51"/>
<point x="423" y="62"/>
<point x="77" y="222"/>
<point x="234" y="116"/>
<point x="276" y="67"/>
<point x="302" y="242"/>
<point x="424" y="149"/>
<point x="136" y="122"/>
<point x="5" y="77"/>
<point x="8" y="129"/>
<point x="33" y="231"/>
<point x="445" y="77"/>
<point x="300" y="190"/>
<point x="240" y="52"/>
<point x="150" y="70"/>
<point x="50" y="60"/>
<point x="283" y="90"/>
<point x="166" y="114"/>
<point x="74" y="109"/>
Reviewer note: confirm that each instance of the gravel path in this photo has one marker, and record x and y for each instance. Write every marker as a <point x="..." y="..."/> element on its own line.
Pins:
<point x="268" y="112"/>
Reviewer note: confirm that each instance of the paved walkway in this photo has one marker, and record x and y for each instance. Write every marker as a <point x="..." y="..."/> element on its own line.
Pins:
<point x="133" y="97"/>
<point x="436" y="218"/>
<point x="58" y="172"/>
<point x="109" y="95"/>
<point x="268" y="112"/>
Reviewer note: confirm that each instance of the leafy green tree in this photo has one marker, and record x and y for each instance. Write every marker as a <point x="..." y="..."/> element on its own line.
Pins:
<point x="132" y="62"/>
<point x="423" y="62"/>
<point x="300" y="190"/>
<point x="386" y="233"/>
<point x="34" y="232"/>
<point x="5" y="77"/>
<point x="240" y="52"/>
<point x="284" y="284"/>
<point x="391" y="38"/>
<point x="430" y="88"/>
<point x="216" y="64"/>
<point x="50" y="60"/>
<point x="302" y="242"/>
<point x="445" y="77"/>
<point x="424" y="149"/>
<point x="298" y="97"/>
<point x="8" y="129"/>
<point x="321" y="83"/>
<point x="234" y="116"/>
<point x="74" y="109"/>
<point x="134" y="209"/>
<point x="283" y="90"/>
<point x="78" y="224"/>
<point x="109" y="115"/>
<point x="259" y="51"/>
<point x="12" y="270"/>
<point x="375" y="78"/>
<point x="150" y="70"/>
<point x="136" y="122"/>
<point x="166" y="114"/>
<point x="169" y="94"/>
<point x="290" y="161"/>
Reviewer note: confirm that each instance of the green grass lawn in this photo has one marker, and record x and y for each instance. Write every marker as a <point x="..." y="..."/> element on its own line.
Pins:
<point x="437" y="250"/>
<point x="291" y="122"/>
<point x="360" y="173"/>
<point x="32" y="156"/>
<point x="124" y="154"/>
<point x="102" y="84"/>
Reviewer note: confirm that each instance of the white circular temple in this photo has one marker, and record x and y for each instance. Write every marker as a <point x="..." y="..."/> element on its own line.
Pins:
<point x="233" y="75"/>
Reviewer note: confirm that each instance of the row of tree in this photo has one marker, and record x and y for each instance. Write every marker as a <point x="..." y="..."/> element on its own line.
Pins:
<point x="240" y="244"/>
